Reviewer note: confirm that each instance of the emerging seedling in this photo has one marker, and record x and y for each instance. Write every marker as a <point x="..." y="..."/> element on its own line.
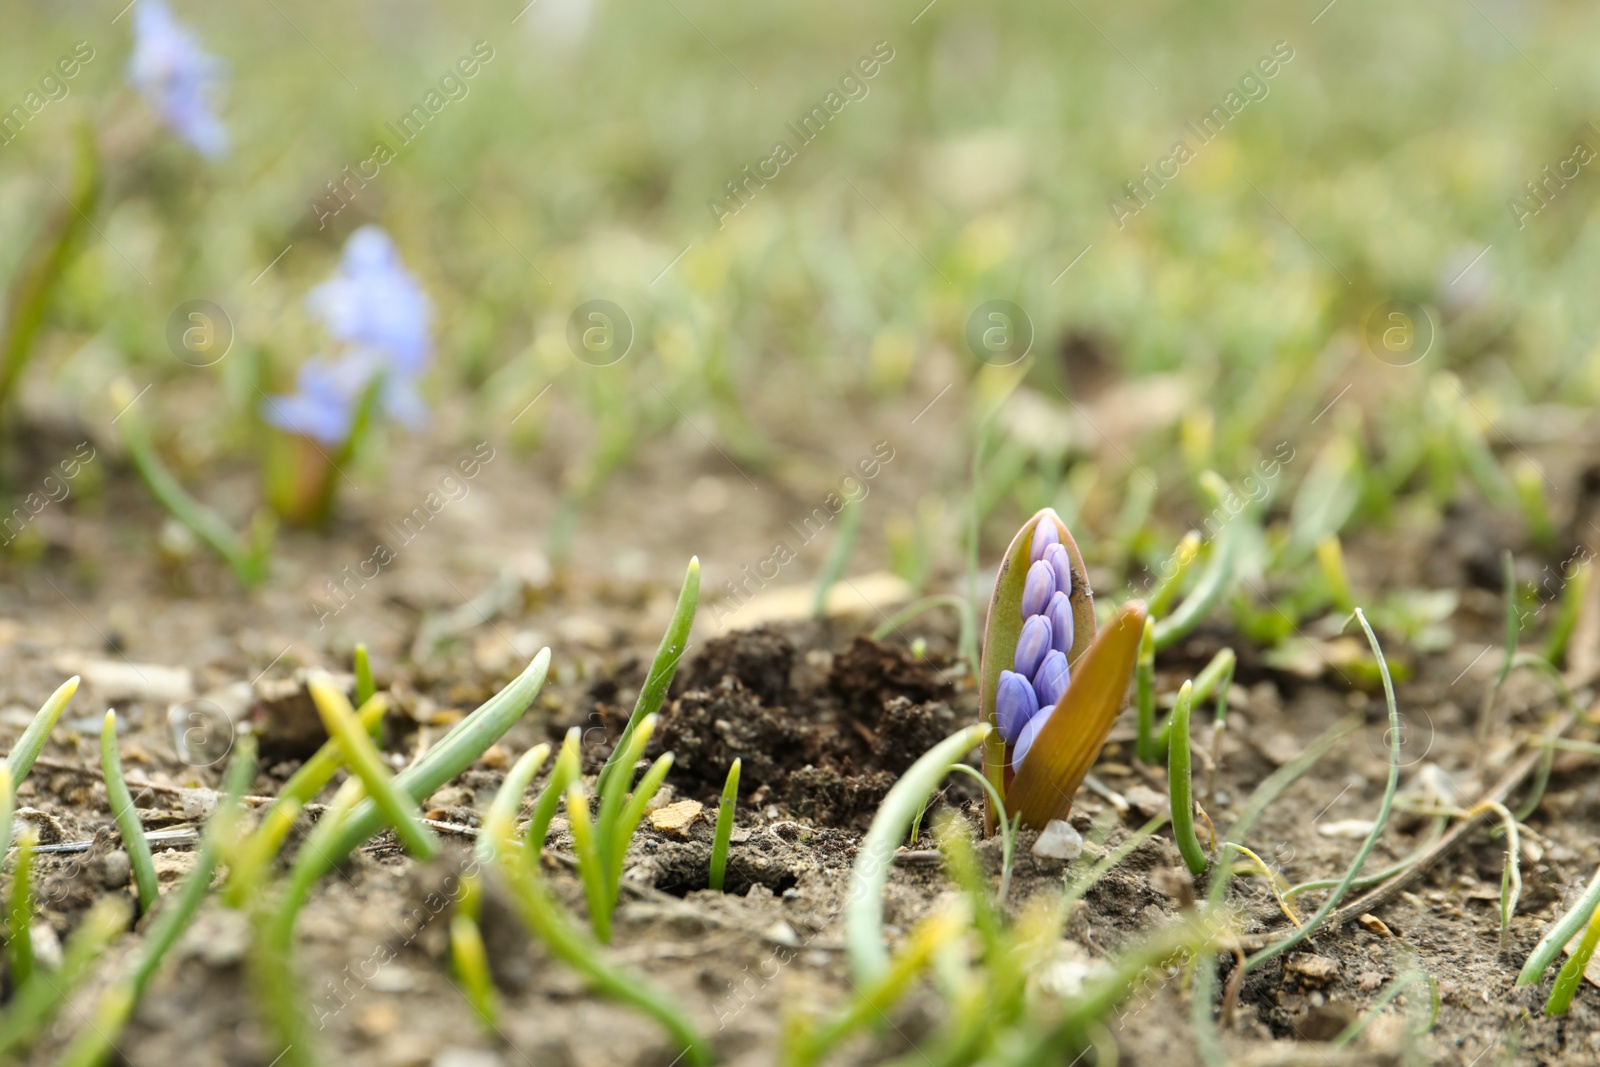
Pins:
<point x="1049" y="686"/>
<point x="724" y="834"/>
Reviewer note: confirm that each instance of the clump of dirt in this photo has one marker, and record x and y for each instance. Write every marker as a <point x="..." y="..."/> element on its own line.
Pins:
<point x="825" y="744"/>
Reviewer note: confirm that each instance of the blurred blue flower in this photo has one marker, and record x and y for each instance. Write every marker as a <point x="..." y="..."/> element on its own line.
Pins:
<point x="380" y="316"/>
<point x="177" y="78"/>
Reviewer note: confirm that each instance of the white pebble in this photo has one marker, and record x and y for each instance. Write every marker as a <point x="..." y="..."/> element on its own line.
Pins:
<point x="1059" y="841"/>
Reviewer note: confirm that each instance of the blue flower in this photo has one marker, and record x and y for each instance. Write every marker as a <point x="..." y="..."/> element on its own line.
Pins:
<point x="381" y="318"/>
<point x="373" y="302"/>
<point x="1040" y="659"/>
<point x="177" y="77"/>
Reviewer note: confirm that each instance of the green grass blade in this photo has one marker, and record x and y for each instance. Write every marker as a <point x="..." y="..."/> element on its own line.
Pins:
<point x="844" y="542"/>
<point x="1207" y="592"/>
<point x="127" y="817"/>
<point x="31" y="743"/>
<point x="508" y="798"/>
<point x="362" y="757"/>
<point x="617" y="785"/>
<point x="471" y="959"/>
<point x="628" y="822"/>
<point x="1556" y="938"/>
<point x="723" y="837"/>
<point x="45" y="261"/>
<point x="1378" y="825"/>
<point x="19" y="911"/>
<point x="863" y="915"/>
<point x="365" y="686"/>
<point x="545" y="918"/>
<point x="662" y="668"/>
<point x="563" y="774"/>
<point x="36" y="1001"/>
<point x="95" y="1043"/>
<point x="451" y="755"/>
<point x="1571" y="973"/>
<point x="258" y="850"/>
<point x="1144" y="695"/>
<point x="590" y="866"/>
<point x="1180" y="784"/>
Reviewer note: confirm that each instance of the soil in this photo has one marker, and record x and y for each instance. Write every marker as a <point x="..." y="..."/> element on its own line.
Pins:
<point x="824" y="719"/>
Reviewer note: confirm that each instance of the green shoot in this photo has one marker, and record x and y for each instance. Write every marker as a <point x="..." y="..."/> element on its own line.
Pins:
<point x="96" y="1042"/>
<point x="1572" y="598"/>
<point x="1486" y="716"/>
<point x="1180" y="786"/>
<point x="1183" y="557"/>
<point x="19" y="911"/>
<point x="863" y="916"/>
<point x="1207" y="592"/>
<point x="1556" y="938"/>
<point x="122" y="809"/>
<point x="544" y="917"/>
<point x="470" y="959"/>
<point x="46" y="260"/>
<point x="257" y="850"/>
<point x="724" y="834"/>
<point x="1528" y="482"/>
<point x="351" y="819"/>
<point x="248" y="561"/>
<point x="364" y="760"/>
<point x="1571" y="973"/>
<point x="1330" y="554"/>
<point x="1378" y="825"/>
<point x="34" y="1002"/>
<point x="654" y="693"/>
<point x="966" y="638"/>
<point x="590" y="864"/>
<point x="844" y="542"/>
<point x="562" y="775"/>
<point x="365" y="686"/>
<point x="1218" y="674"/>
<point x="622" y="830"/>
<point x="1008" y="829"/>
<point x="508" y="799"/>
<point x="1144" y="689"/>
<point x="806" y="1044"/>
<point x="20" y="759"/>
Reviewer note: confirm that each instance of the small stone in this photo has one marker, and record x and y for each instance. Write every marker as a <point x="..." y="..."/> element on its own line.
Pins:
<point x="1059" y="841"/>
<point x="676" y="818"/>
<point x="1376" y="925"/>
<point x="1148" y="802"/>
<point x="46" y="945"/>
<point x="1311" y="970"/>
<point x="115" y="869"/>
<point x="782" y="933"/>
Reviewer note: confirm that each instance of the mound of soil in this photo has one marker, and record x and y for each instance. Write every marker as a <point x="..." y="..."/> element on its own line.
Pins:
<point x="824" y="736"/>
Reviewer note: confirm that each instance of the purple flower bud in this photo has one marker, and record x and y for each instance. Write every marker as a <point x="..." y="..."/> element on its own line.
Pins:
<point x="1036" y="593"/>
<point x="1060" y="615"/>
<point x="1044" y="535"/>
<point x="1014" y="704"/>
<point x="1032" y="645"/>
<point x="1028" y="735"/>
<point x="1050" y="682"/>
<point x="1056" y="556"/>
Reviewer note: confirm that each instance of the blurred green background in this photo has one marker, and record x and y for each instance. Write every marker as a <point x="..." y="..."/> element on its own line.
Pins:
<point x="979" y="165"/>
